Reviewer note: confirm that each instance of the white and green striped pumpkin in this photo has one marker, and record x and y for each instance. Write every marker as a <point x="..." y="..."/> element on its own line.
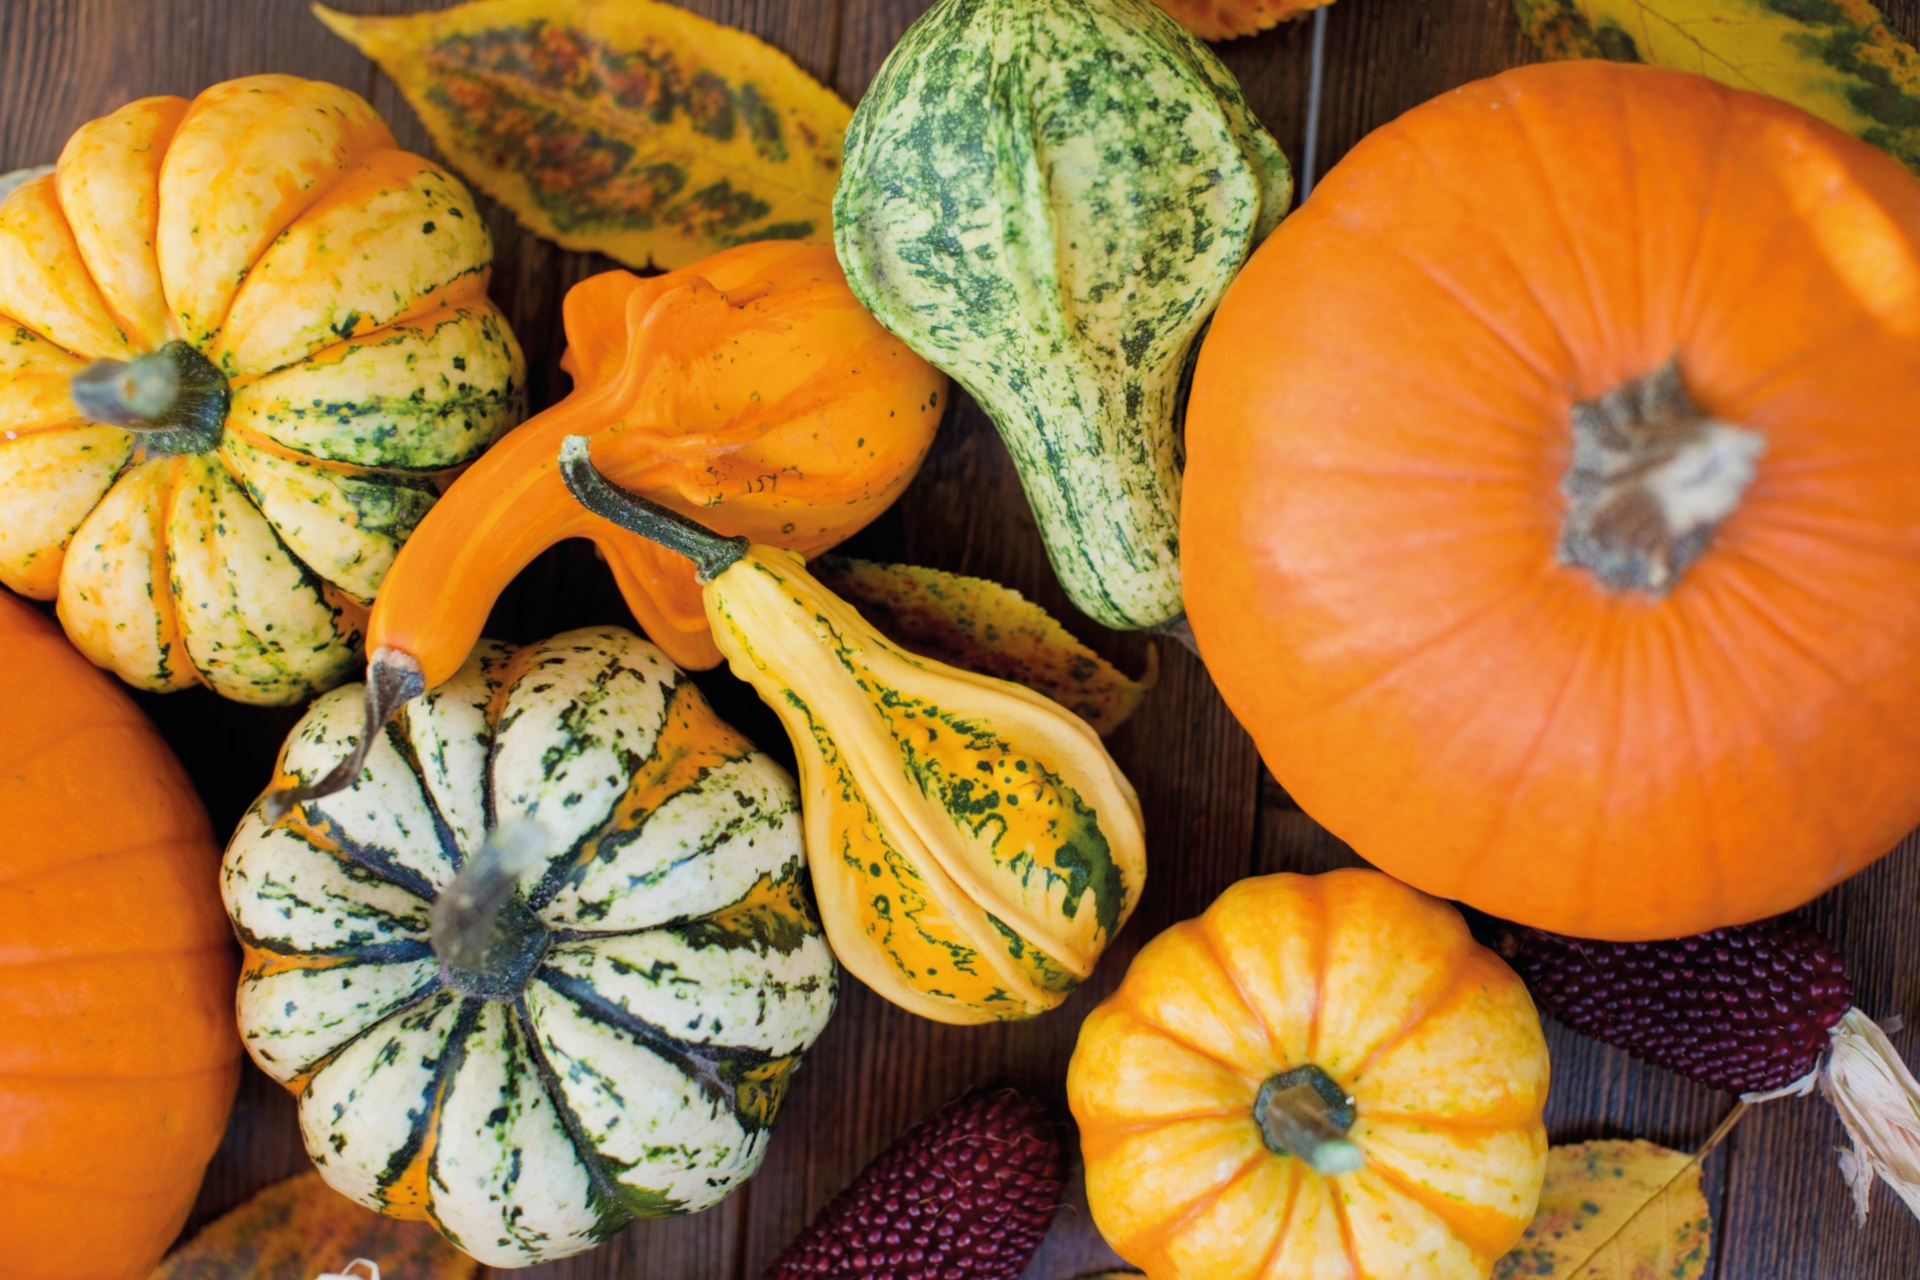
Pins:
<point x="648" y="987"/>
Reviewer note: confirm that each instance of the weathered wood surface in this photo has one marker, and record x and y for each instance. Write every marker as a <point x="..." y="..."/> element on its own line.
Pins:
<point x="1212" y="813"/>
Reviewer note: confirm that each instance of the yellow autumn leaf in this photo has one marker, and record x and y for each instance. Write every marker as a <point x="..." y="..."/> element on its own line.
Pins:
<point x="981" y="626"/>
<point x="1615" y="1211"/>
<point x="627" y="126"/>
<point x="1836" y="59"/>
<point x="300" y="1228"/>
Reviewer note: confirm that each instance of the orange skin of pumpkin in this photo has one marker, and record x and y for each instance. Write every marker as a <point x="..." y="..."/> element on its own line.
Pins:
<point x="118" y="1051"/>
<point x="1432" y="1037"/>
<point x="1227" y="19"/>
<point x="1376" y="439"/>
<point x="750" y="391"/>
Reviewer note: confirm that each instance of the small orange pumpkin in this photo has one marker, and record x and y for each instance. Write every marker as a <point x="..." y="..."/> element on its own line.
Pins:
<point x="118" y="1054"/>
<point x="1320" y="1076"/>
<point x="1550" y="504"/>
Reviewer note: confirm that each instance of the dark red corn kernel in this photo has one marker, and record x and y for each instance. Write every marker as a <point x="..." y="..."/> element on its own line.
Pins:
<point x="1745" y="1009"/>
<point x="973" y="1188"/>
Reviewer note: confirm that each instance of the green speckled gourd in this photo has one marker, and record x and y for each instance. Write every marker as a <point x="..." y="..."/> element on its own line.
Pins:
<point x="549" y="964"/>
<point x="1047" y="199"/>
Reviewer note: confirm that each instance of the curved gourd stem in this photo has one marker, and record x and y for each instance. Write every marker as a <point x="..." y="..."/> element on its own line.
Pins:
<point x="1304" y="1113"/>
<point x="173" y="398"/>
<point x="712" y="555"/>
<point x="393" y="680"/>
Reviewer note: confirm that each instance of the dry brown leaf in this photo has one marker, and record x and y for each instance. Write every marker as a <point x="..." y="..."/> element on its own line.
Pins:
<point x="297" y="1229"/>
<point x="1836" y="58"/>
<point x="1615" y="1211"/>
<point x="627" y="126"/>
<point x="981" y="626"/>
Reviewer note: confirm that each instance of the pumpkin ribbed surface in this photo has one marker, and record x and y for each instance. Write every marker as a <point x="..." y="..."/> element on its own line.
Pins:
<point x="1425" y="1044"/>
<point x="1400" y="428"/>
<point x="118" y="1057"/>
<point x="334" y="288"/>
<point x="627" y="1060"/>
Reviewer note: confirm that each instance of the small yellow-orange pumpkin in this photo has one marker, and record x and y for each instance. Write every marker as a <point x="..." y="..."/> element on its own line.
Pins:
<point x="1321" y="1076"/>
<point x="293" y="339"/>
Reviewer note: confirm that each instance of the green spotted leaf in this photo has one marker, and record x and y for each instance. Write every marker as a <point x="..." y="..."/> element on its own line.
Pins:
<point x="1834" y="58"/>
<point x="626" y="126"/>
<point x="981" y="626"/>
<point x="1615" y="1211"/>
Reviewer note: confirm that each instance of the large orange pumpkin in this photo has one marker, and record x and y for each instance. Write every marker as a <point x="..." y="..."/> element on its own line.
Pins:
<point x="1552" y="515"/>
<point x="118" y="1054"/>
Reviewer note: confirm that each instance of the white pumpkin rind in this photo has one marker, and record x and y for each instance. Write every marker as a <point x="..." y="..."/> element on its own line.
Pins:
<point x="639" y="1071"/>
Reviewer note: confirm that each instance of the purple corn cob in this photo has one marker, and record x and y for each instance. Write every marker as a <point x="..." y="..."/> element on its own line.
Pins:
<point x="967" y="1194"/>
<point x="1746" y="1009"/>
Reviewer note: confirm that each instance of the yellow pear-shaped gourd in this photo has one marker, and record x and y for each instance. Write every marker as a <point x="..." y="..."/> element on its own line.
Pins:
<point x="973" y="847"/>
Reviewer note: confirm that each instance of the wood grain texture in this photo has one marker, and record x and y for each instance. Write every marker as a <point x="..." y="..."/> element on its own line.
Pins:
<point x="1213" y="814"/>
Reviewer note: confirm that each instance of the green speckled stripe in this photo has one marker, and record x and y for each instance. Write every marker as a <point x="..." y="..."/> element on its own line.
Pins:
<point x="902" y="921"/>
<point x="422" y="395"/>
<point x="507" y="1181"/>
<point x="257" y="623"/>
<point x="346" y="528"/>
<point x="1047" y="199"/>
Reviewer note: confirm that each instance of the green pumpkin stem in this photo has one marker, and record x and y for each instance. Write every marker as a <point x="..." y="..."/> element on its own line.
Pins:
<point x="487" y="939"/>
<point x="173" y="398"/>
<point x="1304" y="1113"/>
<point x="712" y="555"/>
<point x="394" y="679"/>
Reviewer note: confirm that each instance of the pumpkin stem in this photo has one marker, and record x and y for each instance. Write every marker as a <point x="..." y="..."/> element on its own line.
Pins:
<point x="173" y="398"/>
<point x="487" y="938"/>
<point x="394" y="678"/>
<point x="711" y="554"/>
<point x="1303" y="1113"/>
<point x="1650" y="480"/>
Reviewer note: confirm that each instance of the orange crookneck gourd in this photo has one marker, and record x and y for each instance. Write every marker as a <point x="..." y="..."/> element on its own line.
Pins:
<point x="750" y="390"/>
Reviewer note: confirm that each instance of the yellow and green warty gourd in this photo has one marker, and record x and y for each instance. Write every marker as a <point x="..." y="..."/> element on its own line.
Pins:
<point x="548" y="964"/>
<point x="973" y="847"/>
<point x="239" y="339"/>
<point x="1046" y="199"/>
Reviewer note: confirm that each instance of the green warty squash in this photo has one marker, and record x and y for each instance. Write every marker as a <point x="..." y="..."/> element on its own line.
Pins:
<point x="533" y="1036"/>
<point x="1047" y="199"/>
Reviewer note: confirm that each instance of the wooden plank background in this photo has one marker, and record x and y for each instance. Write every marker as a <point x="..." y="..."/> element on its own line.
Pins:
<point x="1213" y="813"/>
